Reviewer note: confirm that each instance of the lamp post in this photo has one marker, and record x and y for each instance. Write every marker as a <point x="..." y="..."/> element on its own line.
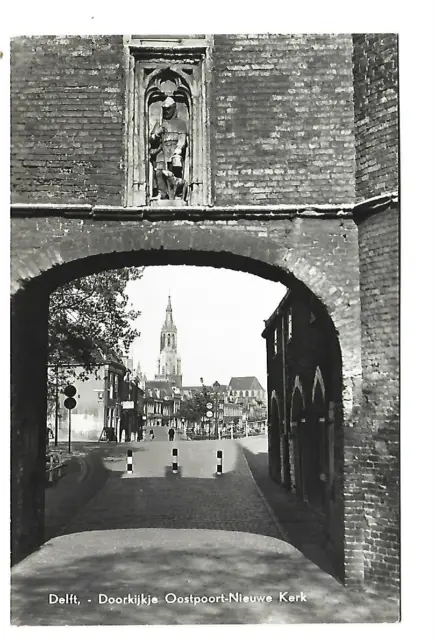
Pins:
<point x="216" y="387"/>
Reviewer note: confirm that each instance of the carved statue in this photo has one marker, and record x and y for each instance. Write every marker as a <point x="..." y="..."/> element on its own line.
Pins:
<point x="168" y="144"/>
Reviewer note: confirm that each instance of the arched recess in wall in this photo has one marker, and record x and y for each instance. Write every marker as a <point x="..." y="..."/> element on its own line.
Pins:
<point x="318" y="439"/>
<point x="158" y="85"/>
<point x="297" y="424"/>
<point x="274" y="438"/>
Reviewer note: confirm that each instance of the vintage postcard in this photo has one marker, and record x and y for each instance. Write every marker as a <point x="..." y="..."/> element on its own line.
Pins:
<point x="205" y="328"/>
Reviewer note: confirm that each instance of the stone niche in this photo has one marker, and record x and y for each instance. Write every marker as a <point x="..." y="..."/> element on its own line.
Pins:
<point x="168" y="147"/>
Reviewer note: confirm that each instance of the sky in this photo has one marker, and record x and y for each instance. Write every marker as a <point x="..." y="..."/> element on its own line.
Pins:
<point x="219" y="315"/>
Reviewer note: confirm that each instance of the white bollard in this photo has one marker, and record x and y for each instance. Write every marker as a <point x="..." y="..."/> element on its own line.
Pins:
<point x="174" y="460"/>
<point x="130" y="461"/>
<point x="219" y="463"/>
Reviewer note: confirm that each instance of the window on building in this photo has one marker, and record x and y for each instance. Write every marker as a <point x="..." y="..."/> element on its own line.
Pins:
<point x="111" y="385"/>
<point x="275" y="341"/>
<point x="289" y="325"/>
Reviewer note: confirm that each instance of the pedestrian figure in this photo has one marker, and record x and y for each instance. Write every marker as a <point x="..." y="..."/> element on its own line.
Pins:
<point x="151" y="434"/>
<point x="171" y="434"/>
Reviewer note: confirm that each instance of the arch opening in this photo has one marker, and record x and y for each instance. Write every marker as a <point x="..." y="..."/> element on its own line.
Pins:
<point x="32" y="301"/>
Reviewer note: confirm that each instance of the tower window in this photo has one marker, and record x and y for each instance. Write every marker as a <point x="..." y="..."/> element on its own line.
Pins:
<point x="275" y="341"/>
<point x="289" y="325"/>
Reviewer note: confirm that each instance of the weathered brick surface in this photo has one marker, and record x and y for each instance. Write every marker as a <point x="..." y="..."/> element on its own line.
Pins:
<point x="281" y="110"/>
<point x="275" y="249"/>
<point x="283" y="117"/>
<point x="379" y="251"/>
<point x="67" y="119"/>
<point x="374" y="463"/>
<point x="376" y="114"/>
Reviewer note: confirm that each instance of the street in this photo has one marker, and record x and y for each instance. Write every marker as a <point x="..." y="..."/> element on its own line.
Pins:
<point x="192" y="547"/>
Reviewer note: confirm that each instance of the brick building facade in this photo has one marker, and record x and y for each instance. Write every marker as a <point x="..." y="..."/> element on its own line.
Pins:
<point x="293" y="177"/>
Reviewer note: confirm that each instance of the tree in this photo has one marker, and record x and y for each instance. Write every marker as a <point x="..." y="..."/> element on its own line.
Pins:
<point x="89" y="319"/>
<point x="194" y="409"/>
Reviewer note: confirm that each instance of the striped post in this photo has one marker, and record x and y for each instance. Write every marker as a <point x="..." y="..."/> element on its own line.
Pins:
<point x="129" y="461"/>
<point x="219" y="463"/>
<point x="174" y="460"/>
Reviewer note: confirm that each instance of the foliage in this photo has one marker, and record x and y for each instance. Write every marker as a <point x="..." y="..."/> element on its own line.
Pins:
<point x="89" y="319"/>
<point x="193" y="409"/>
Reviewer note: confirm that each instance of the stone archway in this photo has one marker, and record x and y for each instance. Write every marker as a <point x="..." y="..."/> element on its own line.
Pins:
<point x="74" y="249"/>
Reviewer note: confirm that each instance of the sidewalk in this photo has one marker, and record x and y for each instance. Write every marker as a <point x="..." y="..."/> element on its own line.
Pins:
<point x="299" y="525"/>
<point x="84" y="476"/>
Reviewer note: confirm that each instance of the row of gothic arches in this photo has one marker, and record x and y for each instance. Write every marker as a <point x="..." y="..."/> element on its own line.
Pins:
<point x="302" y="450"/>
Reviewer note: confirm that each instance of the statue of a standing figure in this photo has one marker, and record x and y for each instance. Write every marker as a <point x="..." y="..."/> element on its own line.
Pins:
<point x="168" y="144"/>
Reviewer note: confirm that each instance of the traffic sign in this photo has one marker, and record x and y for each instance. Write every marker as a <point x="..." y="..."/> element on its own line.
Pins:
<point x="209" y="414"/>
<point x="70" y="391"/>
<point x="209" y="405"/>
<point x="69" y="403"/>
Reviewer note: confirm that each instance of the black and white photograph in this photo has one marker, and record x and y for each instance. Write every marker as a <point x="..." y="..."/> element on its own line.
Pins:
<point x="205" y="344"/>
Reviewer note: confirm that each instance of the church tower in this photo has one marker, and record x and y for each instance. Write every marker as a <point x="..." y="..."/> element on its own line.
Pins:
<point x="169" y="363"/>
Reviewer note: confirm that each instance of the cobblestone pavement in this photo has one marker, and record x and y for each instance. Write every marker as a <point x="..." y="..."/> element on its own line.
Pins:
<point x="191" y="534"/>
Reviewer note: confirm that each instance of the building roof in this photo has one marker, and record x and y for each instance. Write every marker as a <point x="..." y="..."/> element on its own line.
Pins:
<point x="165" y="387"/>
<point x="247" y="383"/>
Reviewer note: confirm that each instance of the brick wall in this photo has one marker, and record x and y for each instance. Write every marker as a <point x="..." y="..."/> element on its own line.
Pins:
<point x="376" y="114"/>
<point x="314" y="251"/>
<point x="377" y="449"/>
<point x="67" y="119"/>
<point x="281" y="113"/>
<point x="379" y="250"/>
<point x="283" y="119"/>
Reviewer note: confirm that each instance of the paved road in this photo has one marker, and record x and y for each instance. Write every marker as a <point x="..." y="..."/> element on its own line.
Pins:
<point x="160" y="434"/>
<point x="178" y="536"/>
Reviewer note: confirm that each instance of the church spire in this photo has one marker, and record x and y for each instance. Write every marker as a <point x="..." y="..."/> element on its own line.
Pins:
<point x="169" y="320"/>
<point x="169" y="363"/>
